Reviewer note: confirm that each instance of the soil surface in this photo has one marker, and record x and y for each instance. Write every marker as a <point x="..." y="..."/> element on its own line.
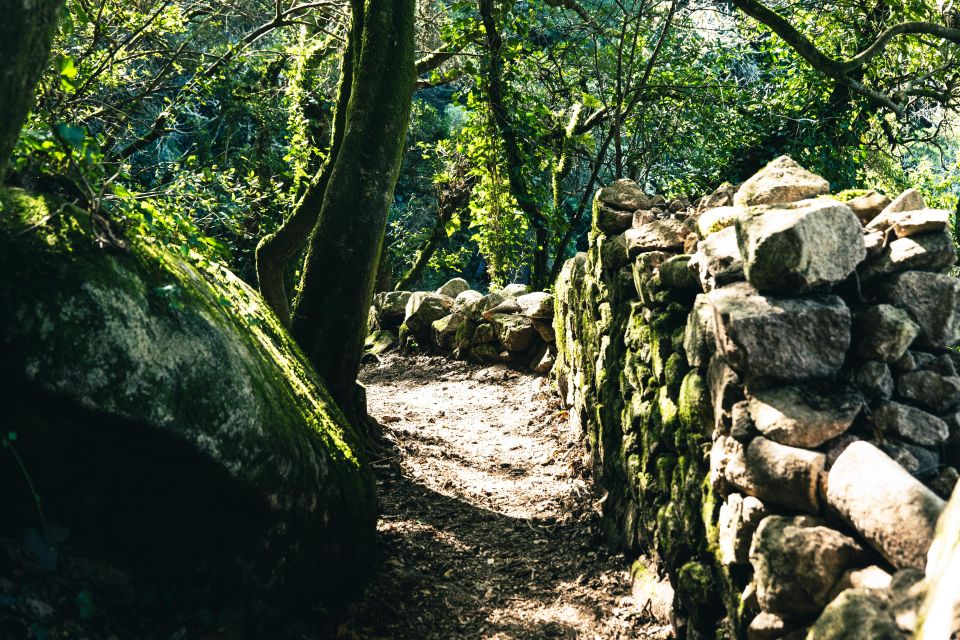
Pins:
<point x="488" y="528"/>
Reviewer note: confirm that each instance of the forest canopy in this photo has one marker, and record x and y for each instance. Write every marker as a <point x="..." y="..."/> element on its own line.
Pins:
<point x="203" y="124"/>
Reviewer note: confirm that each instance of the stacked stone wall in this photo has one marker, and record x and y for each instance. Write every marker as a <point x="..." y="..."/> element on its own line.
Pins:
<point x="510" y="326"/>
<point x="770" y="397"/>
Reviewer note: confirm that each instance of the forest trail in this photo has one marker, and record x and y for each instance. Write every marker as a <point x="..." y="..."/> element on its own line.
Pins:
<point x="488" y="528"/>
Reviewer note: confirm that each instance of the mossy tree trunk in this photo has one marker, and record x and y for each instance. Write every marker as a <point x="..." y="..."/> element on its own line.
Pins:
<point x="276" y="250"/>
<point x="519" y="185"/>
<point x="330" y="314"/>
<point x="26" y="31"/>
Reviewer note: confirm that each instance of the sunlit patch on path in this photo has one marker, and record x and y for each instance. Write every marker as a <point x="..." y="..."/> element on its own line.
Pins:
<point x="488" y="528"/>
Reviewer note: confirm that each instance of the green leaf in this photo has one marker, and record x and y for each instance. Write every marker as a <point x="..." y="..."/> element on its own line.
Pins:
<point x="72" y="135"/>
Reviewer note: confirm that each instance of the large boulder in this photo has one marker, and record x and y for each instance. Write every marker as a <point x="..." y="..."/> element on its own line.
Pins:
<point x="940" y="613"/>
<point x="781" y="181"/>
<point x="887" y="506"/>
<point x="799" y="246"/>
<point x="804" y="416"/>
<point x="797" y="561"/>
<point x="811" y="334"/>
<point x="167" y="418"/>
<point x="931" y="299"/>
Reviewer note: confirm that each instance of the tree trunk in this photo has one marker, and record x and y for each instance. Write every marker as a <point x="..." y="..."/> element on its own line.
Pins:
<point x="453" y="198"/>
<point x="519" y="188"/>
<point x="330" y="315"/>
<point x="276" y="250"/>
<point x="26" y="31"/>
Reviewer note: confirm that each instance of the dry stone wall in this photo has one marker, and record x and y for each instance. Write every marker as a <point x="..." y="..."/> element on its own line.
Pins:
<point x="511" y="326"/>
<point x="768" y="388"/>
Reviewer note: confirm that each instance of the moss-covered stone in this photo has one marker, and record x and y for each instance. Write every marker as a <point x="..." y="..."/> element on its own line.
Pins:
<point x="141" y="345"/>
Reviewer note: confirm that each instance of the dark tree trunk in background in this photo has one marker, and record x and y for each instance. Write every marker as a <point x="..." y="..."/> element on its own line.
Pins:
<point x="330" y="315"/>
<point x="26" y="31"/>
<point x="453" y="198"/>
<point x="519" y="187"/>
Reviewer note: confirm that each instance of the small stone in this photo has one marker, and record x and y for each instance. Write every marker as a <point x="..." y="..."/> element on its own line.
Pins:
<point x="920" y="462"/>
<point x="741" y="425"/>
<point x="928" y="252"/>
<point x="868" y="205"/>
<point x="932" y="300"/>
<point x="544" y="363"/>
<point x="454" y="287"/>
<point x="769" y="626"/>
<point x="857" y="614"/>
<point x="516" y="333"/>
<point x="713" y="220"/>
<point x="930" y="390"/>
<point x="804" y="416"/>
<point x="910" y="423"/>
<point x="538" y="304"/>
<point x="613" y="252"/>
<point x="782" y="546"/>
<point x="776" y="473"/>
<point x="390" y="307"/>
<point x="883" y="332"/>
<point x="642" y="217"/>
<point x="945" y="482"/>
<point x="721" y="197"/>
<point x="873" y="379"/>
<point x="611" y="221"/>
<point x="872" y="577"/>
<point x="800" y="246"/>
<point x="887" y="506"/>
<point x="874" y="242"/>
<point x="717" y="260"/>
<point x="484" y="334"/>
<point x="676" y="274"/>
<point x="739" y="518"/>
<point x="423" y="309"/>
<point x="514" y="290"/>
<point x="659" y="235"/>
<point x="909" y="200"/>
<point x="450" y="332"/>
<point x="624" y="194"/>
<point x="783" y="180"/>
<point x="911" y="223"/>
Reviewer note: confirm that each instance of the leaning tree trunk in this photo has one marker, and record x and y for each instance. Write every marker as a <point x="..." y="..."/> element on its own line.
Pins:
<point x="276" y="250"/>
<point x="26" y="31"/>
<point x="330" y="315"/>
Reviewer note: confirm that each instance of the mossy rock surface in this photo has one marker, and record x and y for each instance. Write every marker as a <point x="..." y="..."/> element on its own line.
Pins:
<point x="166" y="417"/>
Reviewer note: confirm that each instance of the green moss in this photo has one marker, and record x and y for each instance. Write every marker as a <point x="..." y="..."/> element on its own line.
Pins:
<point x="186" y="347"/>
<point x="848" y="194"/>
<point x="695" y="581"/>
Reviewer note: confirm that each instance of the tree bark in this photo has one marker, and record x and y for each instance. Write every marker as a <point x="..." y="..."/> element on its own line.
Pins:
<point x="26" y="31"/>
<point x="330" y="314"/>
<point x="519" y="188"/>
<point x="276" y="250"/>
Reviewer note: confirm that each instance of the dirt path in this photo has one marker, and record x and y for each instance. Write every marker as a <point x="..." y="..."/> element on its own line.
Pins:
<point x="488" y="529"/>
